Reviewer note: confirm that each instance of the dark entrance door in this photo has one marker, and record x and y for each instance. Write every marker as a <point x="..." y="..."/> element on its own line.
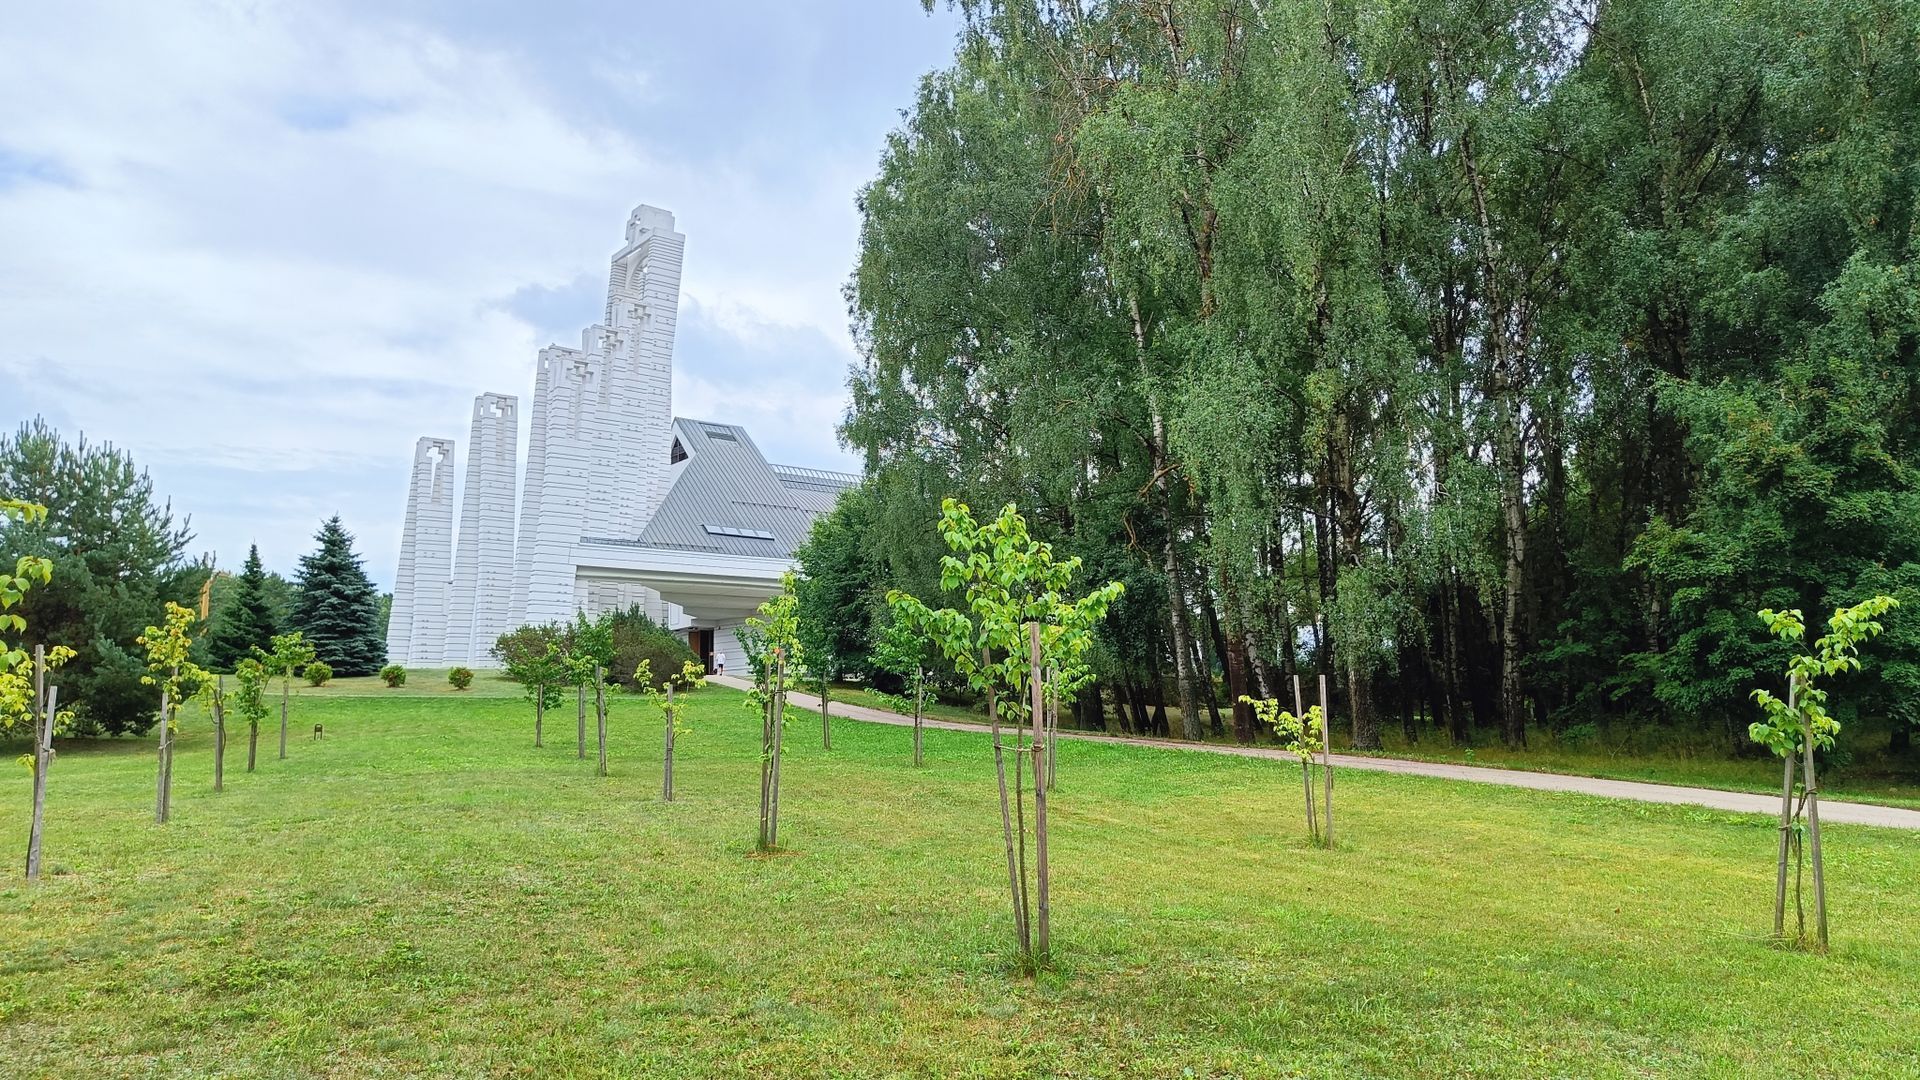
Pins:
<point x="701" y="642"/>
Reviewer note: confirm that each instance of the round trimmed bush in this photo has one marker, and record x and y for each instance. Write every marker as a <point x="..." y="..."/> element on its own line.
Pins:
<point x="394" y="675"/>
<point x="318" y="673"/>
<point x="637" y="638"/>
<point x="460" y="678"/>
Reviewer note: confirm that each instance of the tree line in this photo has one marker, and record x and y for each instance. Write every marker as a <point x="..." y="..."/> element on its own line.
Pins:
<point x="117" y="555"/>
<point x="1495" y="360"/>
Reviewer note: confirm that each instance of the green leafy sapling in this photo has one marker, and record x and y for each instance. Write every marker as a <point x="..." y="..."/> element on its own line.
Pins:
<point x="1299" y="736"/>
<point x="1800" y="726"/>
<point x="531" y="656"/>
<point x="690" y="676"/>
<point x="1018" y="618"/>
<point x="290" y="656"/>
<point x="771" y="640"/>
<point x="589" y="650"/>
<point x="910" y="654"/>
<point x="250" y="698"/>
<point x="171" y="668"/>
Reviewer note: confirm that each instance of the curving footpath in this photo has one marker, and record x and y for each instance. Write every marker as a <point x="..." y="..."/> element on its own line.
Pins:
<point x="1831" y="813"/>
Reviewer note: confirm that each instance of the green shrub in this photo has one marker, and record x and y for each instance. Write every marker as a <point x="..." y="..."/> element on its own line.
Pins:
<point x="394" y="675"/>
<point x="1579" y="736"/>
<point x="460" y="677"/>
<point x="318" y="673"/>
<point x="637" y="638"/>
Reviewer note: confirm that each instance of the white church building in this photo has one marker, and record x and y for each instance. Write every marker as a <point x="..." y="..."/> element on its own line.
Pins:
<point x="620" y="503"/>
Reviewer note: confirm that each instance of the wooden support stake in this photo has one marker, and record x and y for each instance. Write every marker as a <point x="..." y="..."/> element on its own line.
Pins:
<point x="1042" y="779"/>
<point x="1813" y="845"/>
<point x="1016" y="881"/>
<point x="1786" y="833"/>
<point x="600" y="712"/>
<point x="1306" y="769"/>
<point x="42" y="756"/>
<point x="1326" y="752"/>
<point x="219" y="732"/>
<point x="160" y="773"/>
<point x="666" y="782"/>
<point x="779" y="729"/>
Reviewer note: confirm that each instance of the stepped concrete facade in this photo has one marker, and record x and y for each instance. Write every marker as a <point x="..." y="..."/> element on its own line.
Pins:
<point x="620" y="505"/>
<point x="417" y="625"/>
<point x="478" y="610"/>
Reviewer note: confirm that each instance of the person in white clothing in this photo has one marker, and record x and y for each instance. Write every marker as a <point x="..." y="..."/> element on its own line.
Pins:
<point x="719" y="663"/>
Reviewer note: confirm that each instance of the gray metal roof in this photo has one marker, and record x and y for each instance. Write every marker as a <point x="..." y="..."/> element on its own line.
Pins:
<point x="728" y="500"/>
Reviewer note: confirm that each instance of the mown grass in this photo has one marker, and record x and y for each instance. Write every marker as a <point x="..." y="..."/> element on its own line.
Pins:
<point x="424" y="893"/>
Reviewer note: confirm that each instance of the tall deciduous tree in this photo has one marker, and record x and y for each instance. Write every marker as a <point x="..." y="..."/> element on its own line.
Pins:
<point x="1494" y="359"/>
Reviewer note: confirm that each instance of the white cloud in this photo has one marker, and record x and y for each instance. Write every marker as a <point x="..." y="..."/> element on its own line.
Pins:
<point x="266" y="246"/>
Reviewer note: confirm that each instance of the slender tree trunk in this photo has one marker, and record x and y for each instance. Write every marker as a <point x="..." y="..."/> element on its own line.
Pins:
<point x="1306" y="780"/>
<point x="919" y="705"/>
<point x="600" y="714"/>
<point x="1459" y="709"/>
<point x="1326" y="755"/>
<point x="766" y="768"/>
<point x="826" y="729"/>
<point x="1212" y="649"/>
<point x="253" y="743"/>
<point x="43" y="713"/>
<point x="1053" y="729"/>
<point x="1813" y="846"/>
<point x="1786" y="841"/>
<point x="1042" y="778"/>
<point x="1306" y="769"/>
<point x="219" y="732"/>
<point x="539" y="713"/>
<point x="779" y="730"/>
<point x="286" y="689"/>
<point x="160" y="772"/>
<point x="1016" y="882"/>
<point x="580" y="693"/>
<point x="1176" y="590"/>
<point x="666" y="782"/>
<point x="166" y="774"/>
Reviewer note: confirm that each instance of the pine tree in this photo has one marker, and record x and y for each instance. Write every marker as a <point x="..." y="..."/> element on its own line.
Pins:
<point x="337" y="607"/>
<point x="246" y="617"/>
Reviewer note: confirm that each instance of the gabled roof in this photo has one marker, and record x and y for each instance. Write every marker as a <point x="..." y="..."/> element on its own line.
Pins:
<point x="726" y="498"/>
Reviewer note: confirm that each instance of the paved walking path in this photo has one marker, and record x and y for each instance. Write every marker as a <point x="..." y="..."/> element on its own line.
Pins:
<point x="1849" y="813"/>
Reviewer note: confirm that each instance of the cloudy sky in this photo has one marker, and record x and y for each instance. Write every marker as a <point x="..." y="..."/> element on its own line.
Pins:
<point x="265" y="246"/>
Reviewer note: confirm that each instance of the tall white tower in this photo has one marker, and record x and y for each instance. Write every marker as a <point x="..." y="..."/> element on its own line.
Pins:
<point x="603" y="427"/>
<point x="417" y="626"/>
<point x="479" y="601"/>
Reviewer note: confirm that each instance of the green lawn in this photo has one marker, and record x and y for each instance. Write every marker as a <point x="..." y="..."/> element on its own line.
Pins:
<point x="423" y="892"/>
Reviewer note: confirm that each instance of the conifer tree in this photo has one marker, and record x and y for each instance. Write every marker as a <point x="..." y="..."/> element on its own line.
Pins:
<point x="337" y="607"/>
<point x="246" y="619"/>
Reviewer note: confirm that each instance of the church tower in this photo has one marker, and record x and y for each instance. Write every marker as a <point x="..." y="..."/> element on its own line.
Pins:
<point x="597" y="463"/>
